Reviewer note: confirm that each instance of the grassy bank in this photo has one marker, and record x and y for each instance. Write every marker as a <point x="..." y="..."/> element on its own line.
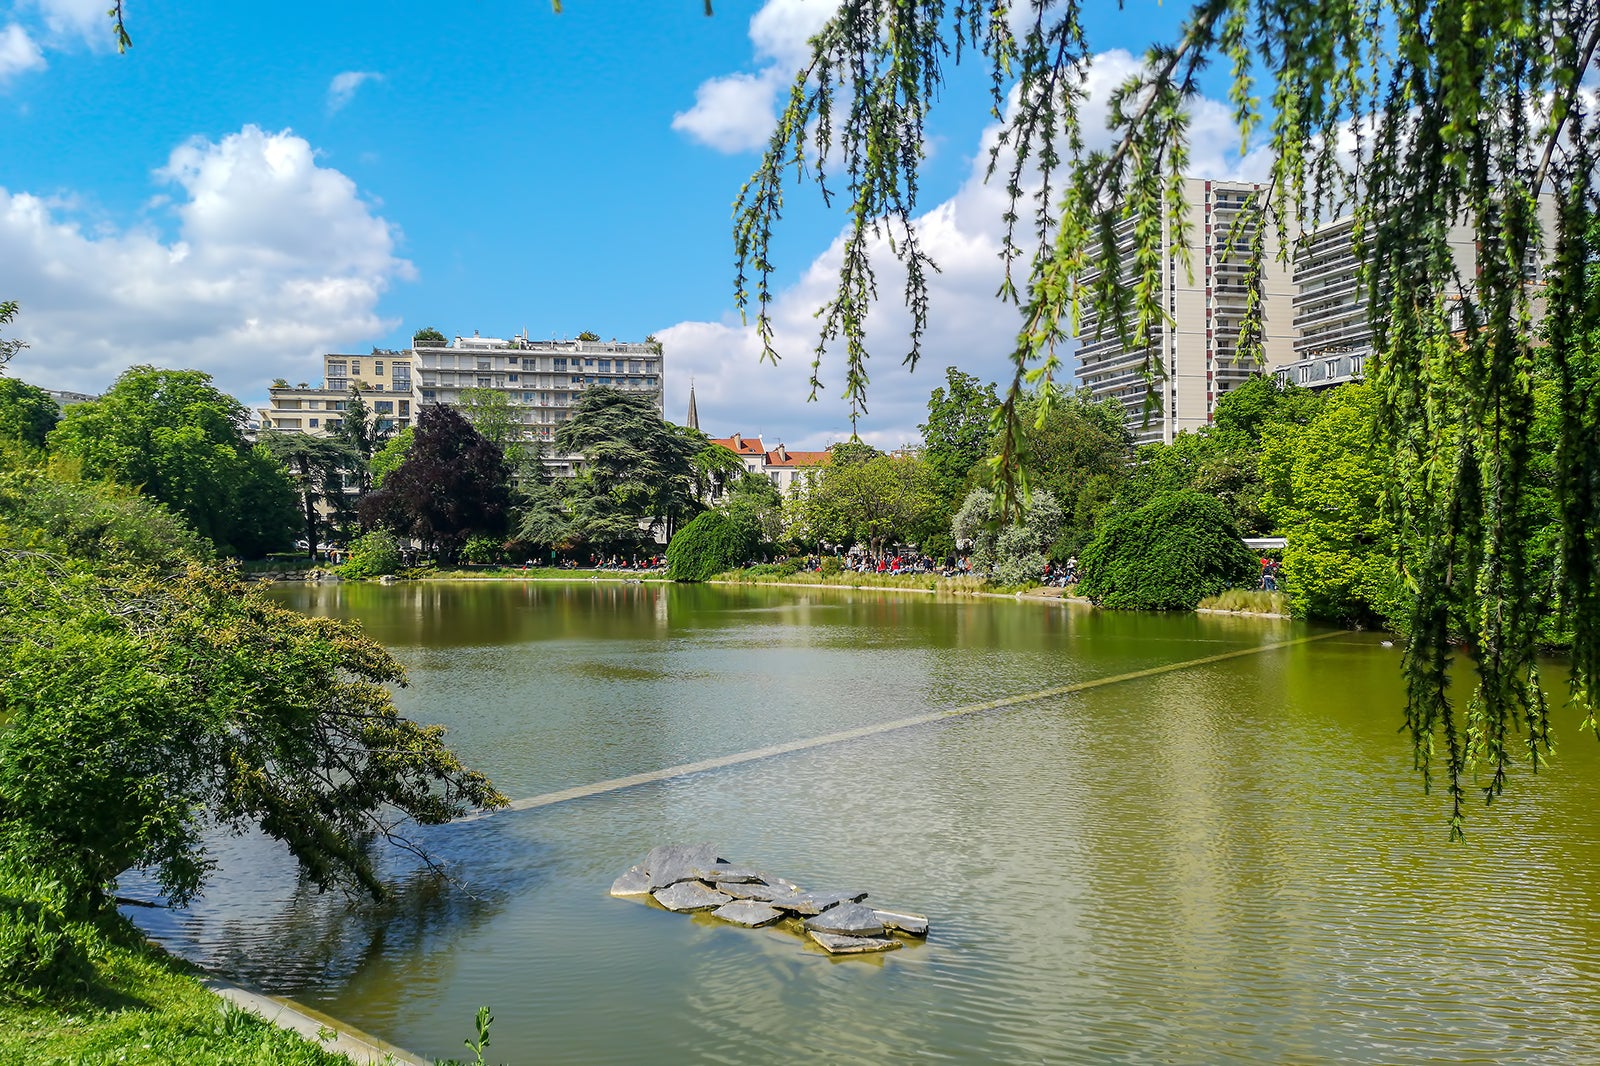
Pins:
<point x="113" y="998"/>
<point x="777" y="575"/>
<point x="1247" y="601"/>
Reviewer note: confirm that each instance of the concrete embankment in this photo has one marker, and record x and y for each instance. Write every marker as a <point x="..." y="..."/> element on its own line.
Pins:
<point x="313" y="1025"/>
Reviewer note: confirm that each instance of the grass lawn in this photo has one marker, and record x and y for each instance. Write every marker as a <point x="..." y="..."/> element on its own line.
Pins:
<point x="140" y="1006"/>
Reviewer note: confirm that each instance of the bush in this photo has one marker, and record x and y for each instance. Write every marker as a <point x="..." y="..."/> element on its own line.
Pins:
<point x="1165" y="556"/>
<point x="40" y="948"/>
<point x="372" y="555"/>
<point x="831" y="566"/>
<point x="484" y="550"/>
<point x="709" y="545"/>
<point x="787" y="568"/>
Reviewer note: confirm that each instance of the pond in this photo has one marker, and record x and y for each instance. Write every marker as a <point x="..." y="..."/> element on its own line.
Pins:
<point x="1225" y="856"/>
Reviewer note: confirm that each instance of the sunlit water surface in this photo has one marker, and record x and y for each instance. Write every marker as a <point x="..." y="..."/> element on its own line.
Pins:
<point x="1227" y="862"/>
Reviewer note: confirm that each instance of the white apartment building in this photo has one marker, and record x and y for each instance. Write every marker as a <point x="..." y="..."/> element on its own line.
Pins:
<point x="1333" y="330"/>
<point x="1198" y="350"/>
<point x="541" y="381"/>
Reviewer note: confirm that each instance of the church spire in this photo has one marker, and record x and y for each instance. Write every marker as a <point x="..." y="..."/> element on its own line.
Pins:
<point x="694" y="415"/>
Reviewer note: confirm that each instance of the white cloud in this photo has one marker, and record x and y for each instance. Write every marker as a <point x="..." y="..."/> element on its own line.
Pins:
<point x="276" y="260"/>
<point x="77" y="20"/>
<point x="968" y="327"/>
<point x="735" y="112"/>
<point x="18" y="52"/>
<point x="342" y="89"/>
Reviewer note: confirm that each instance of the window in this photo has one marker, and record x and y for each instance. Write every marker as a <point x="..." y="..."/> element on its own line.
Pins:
<point x="589" y="381"/>
<point x="484" y="364"/>
<point x="530" y="364"/>
<point x="428" y="395"/>
<point x="337" y="405"/>
<point x="588" y="362"/>
<point x="483" y="383"/>
<point x="603" y="381"/>
<point x="405" y="408"/>
<point x="635" y="367"/>
<point x="383" y="407"/>
<point x="512" y="377"/>
<point x="314" y="423"/>
<point x="334" y="424"/>
<point x="577" y="380"/>
<point x="561" y="364"/>
<point x="377" y="367"/>
<point x="355" y="368"/>
<point x="605" y="366"/>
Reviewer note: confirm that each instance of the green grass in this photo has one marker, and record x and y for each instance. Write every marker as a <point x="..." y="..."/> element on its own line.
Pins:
<point x="1247" y="601"/>
<point x="141" y="1006"/>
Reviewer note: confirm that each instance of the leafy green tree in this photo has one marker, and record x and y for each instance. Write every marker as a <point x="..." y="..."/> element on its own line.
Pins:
<point x="372" y="554"/>
<point x="589" y="335"/>
<point x="175" y="437"/>
<point x="1262" y="403"/>
<point x="1078" y="450"/>
<point x="142" y="707"/>
<point x="1220" y="463"/>
<point x="318" y="466"/>
<point x="389" y="457"/>
<point x="27" y="413"/>
<point x="637" y="471"/>
<point x="428" y="337"/>
<point x="957" y="434"/>
<point x="1326" y="492"/>
<point x="51" y="509"/>
<point x="452" y="485"/>
<point x="877" y="501"/>
<point x="491" y="414"/>
<point x="1165" y="556"/>
<point x="711" y="543"/>
<point x="361" y="436"/>
<point x="755" y="504"/>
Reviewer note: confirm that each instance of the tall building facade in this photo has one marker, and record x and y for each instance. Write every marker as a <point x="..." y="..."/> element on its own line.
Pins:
<point x="1199" y="349"/>
<point x="541" y="381"/>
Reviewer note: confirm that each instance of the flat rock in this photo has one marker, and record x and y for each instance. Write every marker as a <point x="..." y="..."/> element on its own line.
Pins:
<point x="808" y="903"/>
<point x="903" y="922"/>
<point x="671" y="863"/>
<point x="636" y="882"/>
<point x="846" y="919"/>
<point x="735" y="875"/>
<point x="690" y="896"/>
<point x="747" y="912"/>
<point x="751" y="890"/>
<point x="853" y="945"/>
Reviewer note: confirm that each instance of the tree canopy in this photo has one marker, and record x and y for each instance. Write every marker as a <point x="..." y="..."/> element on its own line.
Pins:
<point x="452" y="485"/>
<point x="177" y="438"/>
<point x="27" y="413"/>
<point x="149" y="695"/>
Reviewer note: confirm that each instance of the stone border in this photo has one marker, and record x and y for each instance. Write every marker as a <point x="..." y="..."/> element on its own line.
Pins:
<point x="358" y="1046"/>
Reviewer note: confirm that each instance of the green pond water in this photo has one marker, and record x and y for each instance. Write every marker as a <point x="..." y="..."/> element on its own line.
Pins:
<point x="1228" y="861"/>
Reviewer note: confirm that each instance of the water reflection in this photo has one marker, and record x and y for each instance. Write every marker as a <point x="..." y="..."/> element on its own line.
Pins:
<point x="1230" y="862"/>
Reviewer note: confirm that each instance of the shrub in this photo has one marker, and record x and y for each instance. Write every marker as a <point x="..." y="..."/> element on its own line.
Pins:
<point x="832" y="566"/>
<point x="484" y="550"/>
<point x="707" y="546"/>
<point x="40" y="948"/>
<point x="1165" y="556"/>
<point x="372" y="555"/>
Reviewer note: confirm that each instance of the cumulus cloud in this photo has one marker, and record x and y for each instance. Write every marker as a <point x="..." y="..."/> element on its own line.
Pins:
<point x="78" y="21"/>
<point x="18" y="52"/>
<point x="275" y="260"/>
<point x="735" y="112"/>
<point x="342" y="89"/>
<point x="968" y="327"/>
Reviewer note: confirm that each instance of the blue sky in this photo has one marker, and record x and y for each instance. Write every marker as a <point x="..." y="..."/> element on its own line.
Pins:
<point x="255" y="185"/>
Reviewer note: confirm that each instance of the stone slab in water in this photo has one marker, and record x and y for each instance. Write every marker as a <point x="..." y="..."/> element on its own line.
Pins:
<point x="671" y="863"/>
<point x="903" y="921"/>
<point x="735" y="875"/>
<point x="690" y="896"/>
<point x="853" y="945"/>
<point x="636" y="882"/>
<point x="751" y="890"/>
<point x="846" y="919"/>
<point x="747" y="912"/>
<point x="808" y="903"/>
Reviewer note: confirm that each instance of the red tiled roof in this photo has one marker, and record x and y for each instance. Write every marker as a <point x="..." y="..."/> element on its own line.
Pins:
<point x="781" y="456"/>
<point x="741" y="445"/>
